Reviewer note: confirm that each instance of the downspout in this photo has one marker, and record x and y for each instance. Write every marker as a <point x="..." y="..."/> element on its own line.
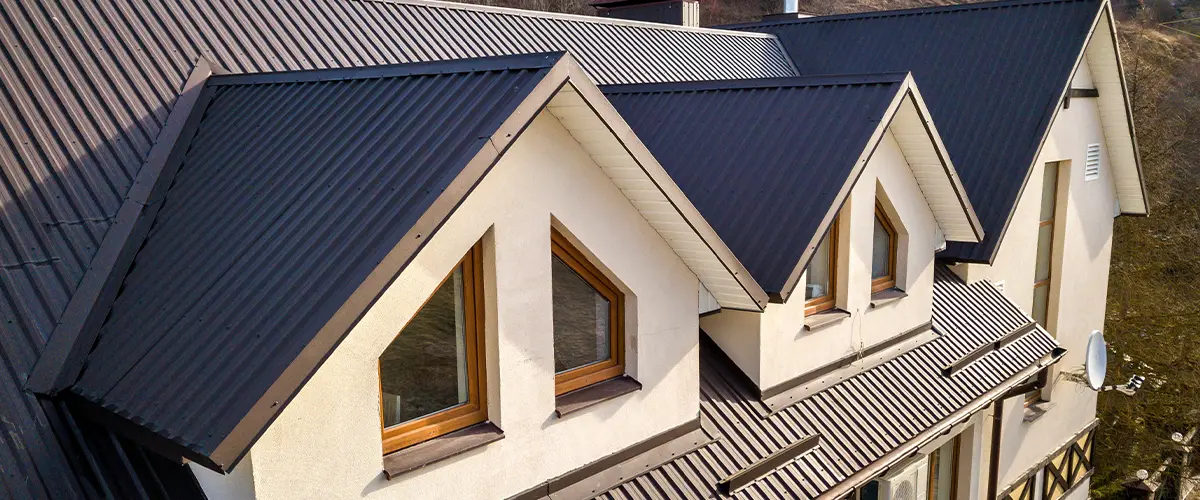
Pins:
<point x="1039" y="382"/>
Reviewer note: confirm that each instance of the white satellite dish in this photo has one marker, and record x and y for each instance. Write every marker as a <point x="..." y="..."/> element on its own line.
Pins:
<point x="1097" y="360"/>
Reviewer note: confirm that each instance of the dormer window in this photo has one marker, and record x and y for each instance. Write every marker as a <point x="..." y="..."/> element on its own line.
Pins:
<point x="883" y="252"/>
<point x="588" y="320"/>
<point x="820" y="292"/>
<point x="431" y="377"/>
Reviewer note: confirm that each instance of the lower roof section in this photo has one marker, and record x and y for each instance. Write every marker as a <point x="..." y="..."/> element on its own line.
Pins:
<point x="852" y="431"/>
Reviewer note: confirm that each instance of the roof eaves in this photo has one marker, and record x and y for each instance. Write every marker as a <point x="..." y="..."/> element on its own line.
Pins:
<point x="73" y="336"/>
<point x="1137" y="156"/>
<point x="944" y="156"/>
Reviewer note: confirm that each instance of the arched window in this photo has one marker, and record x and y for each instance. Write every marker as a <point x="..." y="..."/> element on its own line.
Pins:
<point x="883" y="252"/>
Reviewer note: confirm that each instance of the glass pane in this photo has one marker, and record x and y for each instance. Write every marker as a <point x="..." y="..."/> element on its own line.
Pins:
<point x="581" y="320"/>
<point x="941" y="472"/>
<point x="818" y="272"/>
<point x="1041" y="300"/>
<point x="881" y="251"/>
<point x="869" y="491"/>
<point x="1049" y="189"/>
<point x="1045" y="249"/>
<point x="424" y="370"/>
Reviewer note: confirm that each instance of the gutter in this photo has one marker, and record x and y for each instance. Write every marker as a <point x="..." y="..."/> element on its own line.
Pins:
<point x="913" y="446"/>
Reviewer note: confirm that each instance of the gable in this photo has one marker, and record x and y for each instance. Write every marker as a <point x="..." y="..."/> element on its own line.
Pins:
<point x="993" y="118"/>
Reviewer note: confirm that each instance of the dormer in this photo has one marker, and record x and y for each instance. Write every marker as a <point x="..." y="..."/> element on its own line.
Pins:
<point x="426" y="272"/>
<point x="834" y="192"/>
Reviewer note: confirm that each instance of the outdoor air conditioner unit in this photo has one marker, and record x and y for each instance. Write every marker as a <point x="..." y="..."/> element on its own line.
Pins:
<point x="908" y="483"/>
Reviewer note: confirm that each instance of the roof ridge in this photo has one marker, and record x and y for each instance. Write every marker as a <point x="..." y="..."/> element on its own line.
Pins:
<point x="916" y="11"/>
<point x="760" y="83"/>
<point x="539" y="60"/>
<point x="569" y="17"/>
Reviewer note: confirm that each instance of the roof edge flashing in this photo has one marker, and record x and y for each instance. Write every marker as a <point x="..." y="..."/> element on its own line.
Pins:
<point x="834" y="80"/>
<point x="916" y="103"/>
<point x="538" y="60"/>
<point x="75" y="333"/>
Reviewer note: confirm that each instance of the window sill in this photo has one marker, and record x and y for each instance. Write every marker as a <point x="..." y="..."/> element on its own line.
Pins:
<point x="824" y="319"/>
<point x="885" y="297"/>
<point x="440" y="448"/>
<point x="594" y="394"/>
<point x="1036" y="410"/>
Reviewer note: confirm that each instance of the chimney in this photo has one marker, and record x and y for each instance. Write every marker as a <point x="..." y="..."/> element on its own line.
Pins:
<point x="678" y="12"/>
<point x="791" y="10"/>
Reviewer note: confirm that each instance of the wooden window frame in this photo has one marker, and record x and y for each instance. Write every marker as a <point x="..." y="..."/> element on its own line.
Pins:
<point x="933" y="463"/>
<point x="885" y="282"/>
<point x="829" y="300"/>
<point x="614" y="366"/>
<point x="1038" y="395"/>
<point x="474" y="411"/>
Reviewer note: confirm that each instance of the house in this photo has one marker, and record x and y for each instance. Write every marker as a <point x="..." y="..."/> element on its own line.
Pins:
<point x="413" y="249"/>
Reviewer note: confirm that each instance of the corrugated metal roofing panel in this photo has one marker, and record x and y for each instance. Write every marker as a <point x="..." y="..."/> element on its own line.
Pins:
<point x="860" y="419"/>
<point x="992" y="116"/>
<point x="302" y="186"/>
<point x="714" y="140"/>
<point x="86" y="87"/>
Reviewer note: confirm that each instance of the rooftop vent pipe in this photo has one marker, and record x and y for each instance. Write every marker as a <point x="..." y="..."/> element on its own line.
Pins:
<point x="678" y="12"/>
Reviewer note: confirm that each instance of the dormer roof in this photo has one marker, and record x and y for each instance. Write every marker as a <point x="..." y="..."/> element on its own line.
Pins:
<point x="769" y="162"/>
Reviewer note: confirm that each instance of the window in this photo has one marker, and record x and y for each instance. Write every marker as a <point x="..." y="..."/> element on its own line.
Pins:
<point x="1043" y="264"/>
<point x="1045" y="245"/>
<point x="821" y="289"/>
<point x="588" y="320"/>
<point x="883" y="253"/>
<point x="943" y="471"/>
<point x="431" y="378"/>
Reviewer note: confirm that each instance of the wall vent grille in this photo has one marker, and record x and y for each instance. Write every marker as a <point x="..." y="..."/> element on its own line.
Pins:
<point x="1091" y="167"/>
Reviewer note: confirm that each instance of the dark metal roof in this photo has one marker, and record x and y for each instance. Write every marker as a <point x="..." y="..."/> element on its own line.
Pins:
<point x="863" y="421"/>
<point x="991" y="73"/>
<point x="302" y="182"/>
<point x="85" y="89"/>
<point x="741" y="150"/>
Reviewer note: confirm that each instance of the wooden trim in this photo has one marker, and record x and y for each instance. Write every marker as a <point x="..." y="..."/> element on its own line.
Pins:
<point x="434" y="450"/>
<point x="829" y="300"/>
<point x="889" y="281"/>
<point x="614" y="366"/>
<point x="474" y="410"/>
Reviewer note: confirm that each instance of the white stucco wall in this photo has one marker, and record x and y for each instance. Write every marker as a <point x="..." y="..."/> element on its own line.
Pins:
<point x="773" y="347"/>
<point x="327" y="444"/>
<point x="1083" y="246"/>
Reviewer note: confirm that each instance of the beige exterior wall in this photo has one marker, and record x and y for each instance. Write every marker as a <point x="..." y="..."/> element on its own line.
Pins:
<point x="773" y="347"/>
<point x="1083" y="245"/>
<point x="327" y="444"/>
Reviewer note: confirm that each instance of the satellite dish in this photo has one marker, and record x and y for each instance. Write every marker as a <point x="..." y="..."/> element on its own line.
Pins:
<point x="1097" y="360"/>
